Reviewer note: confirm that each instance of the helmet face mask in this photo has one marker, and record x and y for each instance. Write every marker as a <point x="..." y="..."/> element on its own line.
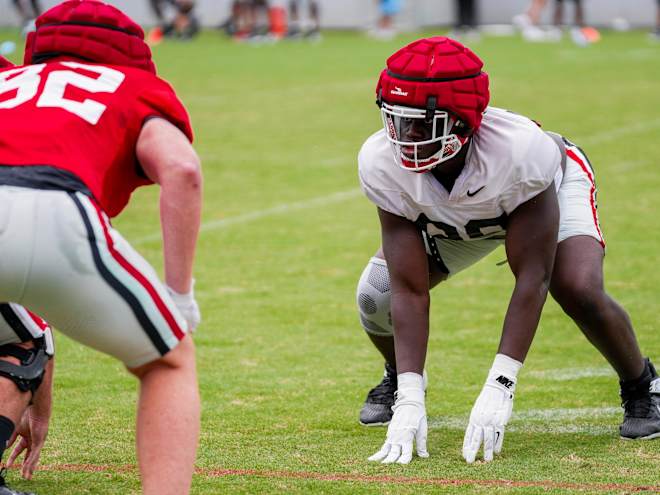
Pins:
<point x="432" y="95"/>
<point x="420" y="143"/>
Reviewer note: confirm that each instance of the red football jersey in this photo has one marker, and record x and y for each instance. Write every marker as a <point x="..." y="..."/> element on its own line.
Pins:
<point x="86" y="119"/>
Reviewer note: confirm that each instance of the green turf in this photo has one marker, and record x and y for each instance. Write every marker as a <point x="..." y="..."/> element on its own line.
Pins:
<point x="284" y="365"/>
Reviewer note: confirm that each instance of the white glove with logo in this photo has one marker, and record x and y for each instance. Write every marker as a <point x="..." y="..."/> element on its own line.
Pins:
<point x="492" y="410"/>
<point x="408" y="423"/>
<point x="187" y="306"/>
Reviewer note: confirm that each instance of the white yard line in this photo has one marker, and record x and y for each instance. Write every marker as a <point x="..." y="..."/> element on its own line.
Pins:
<point x="567" y="374"/>
<point x="553" y="421"/>
<point x="260" y="214"/>
<point x="621" y="131"/>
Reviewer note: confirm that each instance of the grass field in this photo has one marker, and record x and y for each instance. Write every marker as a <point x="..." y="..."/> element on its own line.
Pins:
<point x="284" y="365"/>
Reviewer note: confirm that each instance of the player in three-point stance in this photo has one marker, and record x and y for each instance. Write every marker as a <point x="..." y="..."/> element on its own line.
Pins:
<point x="83" y="123"/>
<point x="453" y="179"/>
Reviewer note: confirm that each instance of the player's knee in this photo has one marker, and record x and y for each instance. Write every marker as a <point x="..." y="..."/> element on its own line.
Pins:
<point x="580" y="298"/>
<point x="180" y="358"/>
<point x="373" y="299"/>
<point x="24" y="364"/>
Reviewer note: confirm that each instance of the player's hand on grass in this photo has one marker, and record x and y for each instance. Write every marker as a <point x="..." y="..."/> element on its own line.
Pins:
<point x="492" y="410"/>
<point x="408" y="424"/>
<point x="30" y="436"/>
<point x="187" y="306"/>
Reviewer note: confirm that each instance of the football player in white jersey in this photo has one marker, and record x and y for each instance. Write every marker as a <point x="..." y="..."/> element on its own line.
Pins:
<point x="453" y="179"/>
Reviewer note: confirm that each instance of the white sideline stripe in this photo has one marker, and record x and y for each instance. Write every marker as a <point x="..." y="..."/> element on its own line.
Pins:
<point x="544" y="421"/>
<point x="567" y="374"/>
<point x="258" y="215"/>
<point x="624" y="130"/>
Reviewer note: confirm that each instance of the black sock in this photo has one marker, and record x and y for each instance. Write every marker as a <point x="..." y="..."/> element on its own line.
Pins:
<point x="641" y="384"/>
<point x="6" y="431"/>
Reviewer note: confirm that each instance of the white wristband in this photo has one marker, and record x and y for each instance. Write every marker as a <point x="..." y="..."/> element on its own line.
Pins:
<point x="506" y="365"/>
<point x="183" y="298"/>
<point x="410" y="387"/>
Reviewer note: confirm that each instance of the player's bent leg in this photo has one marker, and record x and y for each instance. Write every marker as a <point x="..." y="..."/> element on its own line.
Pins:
<point x="168" y="421"/>
<point x="26" y="346"/>
<point x="577" y="285"/>
<point x="19" y="377"/>
<point x="373" y="301"/>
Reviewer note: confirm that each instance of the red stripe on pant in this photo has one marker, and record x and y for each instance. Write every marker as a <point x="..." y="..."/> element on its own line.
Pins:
<point x="142" y="280"/>
<point x="40" y="322"/>
<point x="592" y="194"/>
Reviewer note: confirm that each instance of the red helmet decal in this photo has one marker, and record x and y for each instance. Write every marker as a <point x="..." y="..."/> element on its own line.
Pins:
<point x="441" y="68"/>
<point x="89" y="30"/>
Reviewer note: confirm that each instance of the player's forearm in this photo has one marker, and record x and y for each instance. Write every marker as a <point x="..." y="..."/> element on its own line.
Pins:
<point x="410" y="317"/>
<point x="180" y="211"/>
<point x="522" y="317"/>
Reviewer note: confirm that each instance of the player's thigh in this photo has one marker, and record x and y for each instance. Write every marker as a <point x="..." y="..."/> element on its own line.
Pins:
<point x="578" y="209"/>
<point x="579" y="260"/>
<point x="452" y="257"/>
<point x="578" y="270"/>
<point x="448" y="257"/>
<point x="94" y="287"/>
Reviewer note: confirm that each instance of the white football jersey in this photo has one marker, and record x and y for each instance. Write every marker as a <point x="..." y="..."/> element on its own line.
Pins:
<point x="510" y="161"/>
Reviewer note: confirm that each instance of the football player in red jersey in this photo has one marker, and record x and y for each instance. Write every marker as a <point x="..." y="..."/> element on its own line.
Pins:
<point x="83" y="123"/>
<point x="453" y="179"/>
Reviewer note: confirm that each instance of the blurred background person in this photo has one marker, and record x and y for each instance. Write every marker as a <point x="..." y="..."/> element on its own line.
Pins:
<point x="183" y="24"/>
<point x="581" y="34"/>
<point x="311" y="27"/>
<point x="28" y="11"/>
<point x="466" y="26"/>
<point x="531" y="16"/>
<point x="249" y="19"/>
<point x="529" y="23"/>
<point x="385" y="29"/>
<point x="578" y="15"/>
<point x="656" y="34"/>
<point x="238" y="19"/>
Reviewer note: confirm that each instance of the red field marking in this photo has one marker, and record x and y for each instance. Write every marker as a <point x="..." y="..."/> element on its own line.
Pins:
<point x="363" y="478"/>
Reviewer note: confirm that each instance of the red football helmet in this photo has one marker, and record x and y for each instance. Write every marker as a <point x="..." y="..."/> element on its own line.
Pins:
<point x="432" y="97"/>
<point x="88" y="30"/>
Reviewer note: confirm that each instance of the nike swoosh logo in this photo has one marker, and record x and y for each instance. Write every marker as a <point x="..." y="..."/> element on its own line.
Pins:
<point x="497" y="437"/>
<point x="472" y="193"/>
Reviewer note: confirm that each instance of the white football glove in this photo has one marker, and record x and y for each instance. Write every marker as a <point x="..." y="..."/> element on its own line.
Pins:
<point x="187" y="306"/>
<point x="492" y="410"/>
<point x="408" y="423"/>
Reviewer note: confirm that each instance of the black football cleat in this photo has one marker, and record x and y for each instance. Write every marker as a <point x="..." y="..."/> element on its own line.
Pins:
<point x="641" y="404"/>
<point x="5" y="490"/>
<point x="377" y="408"/>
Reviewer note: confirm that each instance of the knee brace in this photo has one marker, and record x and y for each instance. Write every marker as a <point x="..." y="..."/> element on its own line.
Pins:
<point x="373" y="299"/>
<point x="29" y="374"/>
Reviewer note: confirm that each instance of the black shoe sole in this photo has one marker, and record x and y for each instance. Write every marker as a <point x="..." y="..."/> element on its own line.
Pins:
<point x="647" y="437"/>
<point x="374" y="424"/>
